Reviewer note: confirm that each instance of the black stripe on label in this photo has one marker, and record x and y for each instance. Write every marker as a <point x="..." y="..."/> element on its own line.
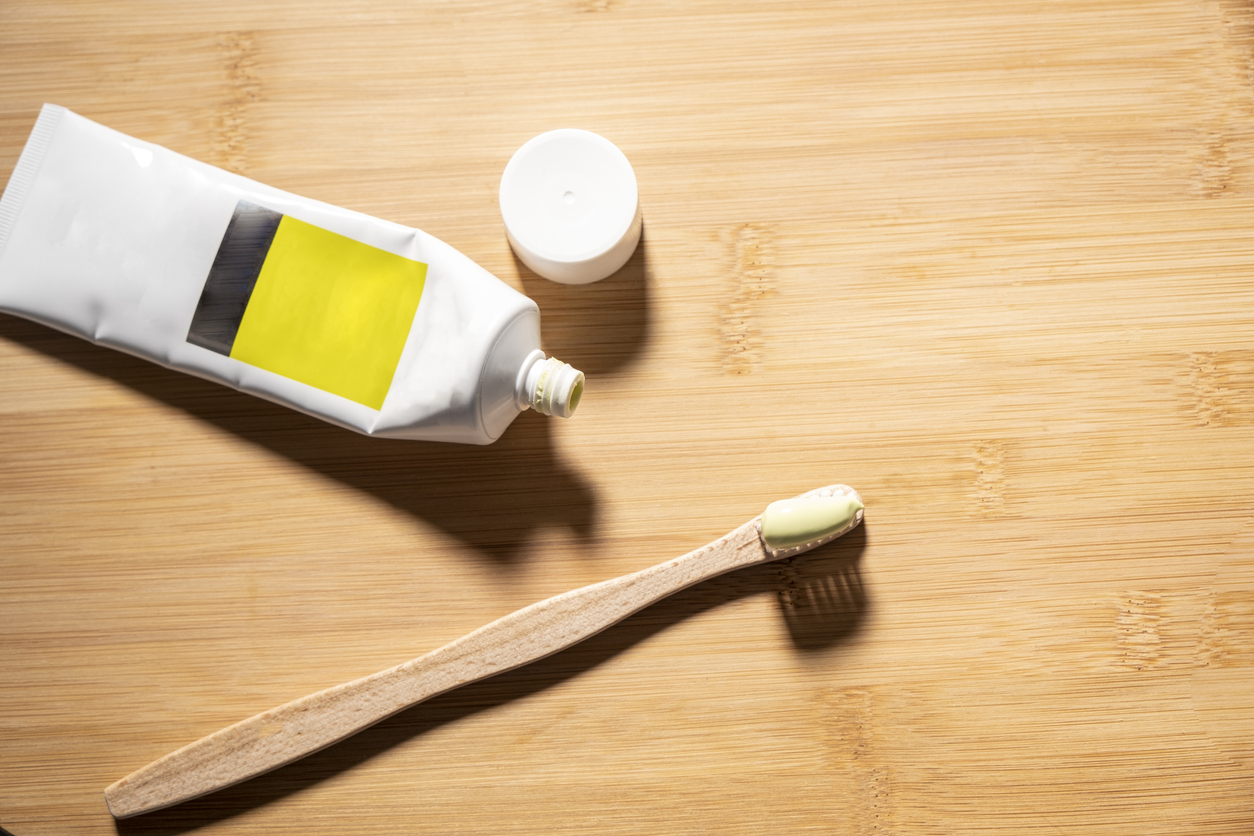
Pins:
<point x="233" y="276"/>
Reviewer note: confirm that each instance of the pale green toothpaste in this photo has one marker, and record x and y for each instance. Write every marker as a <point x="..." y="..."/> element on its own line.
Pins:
<point x="805" y="519"/>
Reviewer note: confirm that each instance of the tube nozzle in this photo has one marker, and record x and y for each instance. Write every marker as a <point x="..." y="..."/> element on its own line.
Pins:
<point x="550" y="386"/>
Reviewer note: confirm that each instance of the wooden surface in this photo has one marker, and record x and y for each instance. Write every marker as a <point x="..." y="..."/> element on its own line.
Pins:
<point x="991" y="264"/>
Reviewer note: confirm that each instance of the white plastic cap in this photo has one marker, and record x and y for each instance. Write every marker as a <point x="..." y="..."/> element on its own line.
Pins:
<point x="571" y="208"/>
<point x="550" y="386"/>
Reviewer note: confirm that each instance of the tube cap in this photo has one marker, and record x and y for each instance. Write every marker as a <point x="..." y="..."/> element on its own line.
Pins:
<point x="571" y="208"/>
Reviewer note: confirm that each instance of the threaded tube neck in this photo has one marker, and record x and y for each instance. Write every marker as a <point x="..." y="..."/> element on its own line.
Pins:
<point x="550" y="386"/>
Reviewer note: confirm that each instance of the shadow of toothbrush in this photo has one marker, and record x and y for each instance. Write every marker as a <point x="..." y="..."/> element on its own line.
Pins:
<point x="824" y="621"/>
<point x="490" y="498"/>
<point x="823" y="602"/>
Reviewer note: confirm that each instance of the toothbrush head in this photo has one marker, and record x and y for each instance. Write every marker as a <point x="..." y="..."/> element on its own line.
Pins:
<point x="793" y="526"/>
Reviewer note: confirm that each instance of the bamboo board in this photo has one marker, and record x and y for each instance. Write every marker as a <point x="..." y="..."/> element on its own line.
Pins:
<point x="990" y="264"/>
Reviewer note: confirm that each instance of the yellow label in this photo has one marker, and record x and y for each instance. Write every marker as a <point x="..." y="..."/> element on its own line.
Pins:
<point x="330" y="312"/>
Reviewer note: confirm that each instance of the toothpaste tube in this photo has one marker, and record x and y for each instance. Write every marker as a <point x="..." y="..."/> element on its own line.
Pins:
<point x="367" y="324"/>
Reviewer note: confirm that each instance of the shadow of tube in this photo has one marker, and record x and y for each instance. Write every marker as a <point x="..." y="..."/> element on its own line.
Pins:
<point x="490" y="498"/>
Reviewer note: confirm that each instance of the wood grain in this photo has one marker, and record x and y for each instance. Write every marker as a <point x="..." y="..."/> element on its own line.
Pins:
<point x="991" y="263"/>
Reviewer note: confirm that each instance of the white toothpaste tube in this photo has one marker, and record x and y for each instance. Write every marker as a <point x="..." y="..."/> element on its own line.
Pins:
<point x="367" y="324"/>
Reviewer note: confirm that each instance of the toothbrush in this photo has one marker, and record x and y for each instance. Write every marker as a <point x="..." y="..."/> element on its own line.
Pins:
<point x="282" y="735"/>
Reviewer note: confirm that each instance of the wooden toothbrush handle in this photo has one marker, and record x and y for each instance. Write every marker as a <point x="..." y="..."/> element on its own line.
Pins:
<point x="302" y="727"/>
